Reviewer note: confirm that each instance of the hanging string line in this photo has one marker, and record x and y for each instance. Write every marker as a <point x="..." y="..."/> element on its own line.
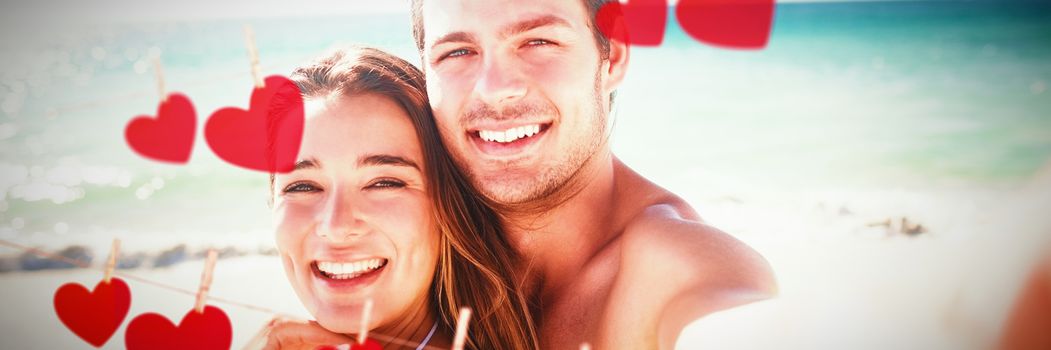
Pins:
<point x="261" y="309"/>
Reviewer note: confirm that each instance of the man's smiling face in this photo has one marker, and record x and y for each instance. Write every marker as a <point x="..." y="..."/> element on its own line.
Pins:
<point x="519" y="90"/>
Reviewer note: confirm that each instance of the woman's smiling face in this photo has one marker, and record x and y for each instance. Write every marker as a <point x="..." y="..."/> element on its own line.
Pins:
<point x="354" y="221"/>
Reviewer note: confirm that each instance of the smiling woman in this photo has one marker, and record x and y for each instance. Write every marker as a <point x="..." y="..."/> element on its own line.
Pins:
<point x="375" y="209"/>
<point x="351" y="223"/>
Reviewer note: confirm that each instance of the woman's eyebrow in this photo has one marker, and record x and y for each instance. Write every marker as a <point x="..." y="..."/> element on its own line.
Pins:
<point x="385" y="159"/>
<point x="309" y="163"/>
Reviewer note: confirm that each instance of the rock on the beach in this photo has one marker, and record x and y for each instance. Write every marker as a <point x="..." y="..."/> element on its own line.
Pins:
<point x="8" y="264"/>
<point x="32" y="262"/>
<point x="221" y="253"/>
<point x="131" y="261"/>
<point x="267" y="251"/>
<point x="171" y="256"/>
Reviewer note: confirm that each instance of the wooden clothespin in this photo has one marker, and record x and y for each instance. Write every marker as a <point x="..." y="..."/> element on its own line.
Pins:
<point x="460" y="339"/>
<point x="365" y="314"/>
<point x="160" y="78"/>
<point x="111" y="264"/>
<point x="253" y="57"/>
<point x="206" y="281"/>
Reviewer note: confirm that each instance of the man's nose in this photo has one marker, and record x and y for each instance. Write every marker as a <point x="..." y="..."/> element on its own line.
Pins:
<point x="340" y="220"/>
<point x="500" y="81"/>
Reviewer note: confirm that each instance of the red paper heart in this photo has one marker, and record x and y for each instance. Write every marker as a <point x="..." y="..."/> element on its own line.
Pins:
<point x="169" y="137"/>
<point x="369" y="345"/>
<point x="645" y="21"/>
<point x="208" y="330"/>
<point x="266" y="137"/>
<point x="93" y="316"/>
<point x="739" y="24"/>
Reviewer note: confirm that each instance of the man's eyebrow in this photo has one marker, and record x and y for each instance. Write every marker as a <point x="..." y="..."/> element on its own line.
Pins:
<point x="309" y="163"/>
<point x="455" y="37"/>
<point x="509" y="30"/>
<point x="533" y="23"/>
<point x="386" y="159"/>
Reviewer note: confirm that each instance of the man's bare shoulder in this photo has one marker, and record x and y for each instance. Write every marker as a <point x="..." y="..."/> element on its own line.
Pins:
<point x="660" y="230"/>
<point x="672" y="268"/>
<point x="686" y="269"/>
<point x="692" y="254"/>
<point x="683" y="267"/>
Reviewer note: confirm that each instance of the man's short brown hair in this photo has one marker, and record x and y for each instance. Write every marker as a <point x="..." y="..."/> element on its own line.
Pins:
<point x="601" y="40"/>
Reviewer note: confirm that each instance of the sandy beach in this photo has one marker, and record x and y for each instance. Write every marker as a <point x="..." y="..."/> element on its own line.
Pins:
<point x="846" y="280"/>
<point x="849" y="284"/>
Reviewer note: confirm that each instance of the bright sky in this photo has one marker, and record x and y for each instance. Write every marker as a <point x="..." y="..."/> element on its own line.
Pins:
<point x="151" y="10"/>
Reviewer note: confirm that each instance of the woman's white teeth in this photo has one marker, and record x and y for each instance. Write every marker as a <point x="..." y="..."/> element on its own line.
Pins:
<point x="509" y="135"/>
<point x="339" y="270"/>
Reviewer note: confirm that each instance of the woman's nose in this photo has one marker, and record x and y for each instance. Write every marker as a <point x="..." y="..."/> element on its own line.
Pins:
<point x="339" y="220"/>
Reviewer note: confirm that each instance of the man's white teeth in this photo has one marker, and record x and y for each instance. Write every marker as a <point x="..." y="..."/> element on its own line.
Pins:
<point x="509" y="135"/>
<point x="338" y="270"/>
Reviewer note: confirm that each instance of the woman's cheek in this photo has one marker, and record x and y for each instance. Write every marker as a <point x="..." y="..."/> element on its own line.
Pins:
<point x="291" y="224"/>
<point x="408" y="222"/>
<point x="398" y="213"/>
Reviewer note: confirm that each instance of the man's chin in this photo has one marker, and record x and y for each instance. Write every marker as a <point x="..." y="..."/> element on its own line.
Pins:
<point x="512" y="189"/>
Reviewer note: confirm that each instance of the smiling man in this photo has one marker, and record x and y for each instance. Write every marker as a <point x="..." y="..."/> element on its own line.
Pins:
<point x="522" y="92"/>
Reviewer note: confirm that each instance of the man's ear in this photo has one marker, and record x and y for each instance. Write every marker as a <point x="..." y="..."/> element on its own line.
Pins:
<point x="616" y="66"/>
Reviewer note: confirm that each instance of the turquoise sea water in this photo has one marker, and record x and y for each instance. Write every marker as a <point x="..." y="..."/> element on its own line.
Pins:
<point x="877" y="94"/>
<point x="860" y="93"/>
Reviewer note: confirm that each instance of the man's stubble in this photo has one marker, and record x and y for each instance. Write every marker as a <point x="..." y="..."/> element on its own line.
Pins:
<point x="558" y="180"/>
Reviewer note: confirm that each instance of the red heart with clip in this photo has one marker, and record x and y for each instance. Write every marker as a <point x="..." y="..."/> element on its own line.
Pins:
<point x="267" y="136"/>
<point x="645" y="21"/>
<point x="736" y="24"/>
<point x="93" y="316"/>
<point x="207" y="330"/>
<point x="167" y="138"/>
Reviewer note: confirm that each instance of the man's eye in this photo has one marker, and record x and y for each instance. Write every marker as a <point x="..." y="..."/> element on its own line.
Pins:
<point x="538" y="42"/>
<point x="300" y="187"/>
<point x="456" y="53"/>
<point x="386" y="184"/>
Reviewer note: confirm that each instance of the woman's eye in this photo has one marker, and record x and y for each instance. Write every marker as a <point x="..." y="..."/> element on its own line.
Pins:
<point x="385" y="184"/>
<point x="300" y="187"/>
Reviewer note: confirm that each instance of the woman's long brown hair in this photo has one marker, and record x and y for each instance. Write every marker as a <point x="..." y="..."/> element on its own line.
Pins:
<point x="475" y="262"/>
